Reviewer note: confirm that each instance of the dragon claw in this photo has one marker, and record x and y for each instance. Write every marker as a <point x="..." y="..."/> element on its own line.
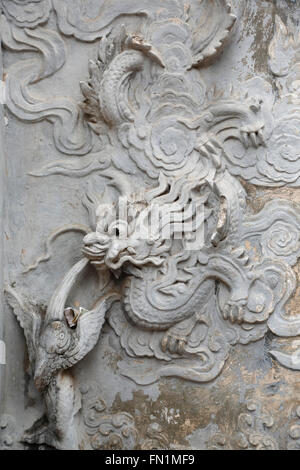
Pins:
<point x="173" y="344"/>
<point x="234" y="312"/>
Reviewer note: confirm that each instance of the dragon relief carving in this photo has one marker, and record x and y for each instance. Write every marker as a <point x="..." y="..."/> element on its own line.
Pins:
<point x="177" y="299"/>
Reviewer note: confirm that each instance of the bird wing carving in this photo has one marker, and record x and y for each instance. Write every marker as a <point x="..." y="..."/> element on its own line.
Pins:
<point x="28" y="317"/>
<point x="88" y="331"/>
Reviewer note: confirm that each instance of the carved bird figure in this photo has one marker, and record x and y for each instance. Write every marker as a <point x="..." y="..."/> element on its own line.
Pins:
<point x="54" y="346"/>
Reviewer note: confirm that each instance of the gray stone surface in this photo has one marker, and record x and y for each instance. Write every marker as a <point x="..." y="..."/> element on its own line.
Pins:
<point x="2" y="182"/>
<point x="123" y="120"/>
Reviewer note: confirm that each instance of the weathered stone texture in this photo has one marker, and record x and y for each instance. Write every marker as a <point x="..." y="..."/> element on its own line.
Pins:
<point x="150" y="185"/>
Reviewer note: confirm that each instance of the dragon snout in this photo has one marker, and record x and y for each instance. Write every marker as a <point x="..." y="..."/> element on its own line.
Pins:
<point x="95" y="245"/>
<point x="95" y="238"/>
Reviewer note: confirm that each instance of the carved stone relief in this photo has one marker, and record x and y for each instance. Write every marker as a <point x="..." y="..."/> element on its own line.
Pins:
<point x="167" y="201"/>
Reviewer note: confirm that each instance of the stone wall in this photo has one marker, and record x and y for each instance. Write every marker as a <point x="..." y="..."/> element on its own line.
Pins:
<point x="151" y="221"/>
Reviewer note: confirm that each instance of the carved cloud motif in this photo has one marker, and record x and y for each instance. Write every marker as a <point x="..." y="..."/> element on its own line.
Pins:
<point x="28" y="13"/>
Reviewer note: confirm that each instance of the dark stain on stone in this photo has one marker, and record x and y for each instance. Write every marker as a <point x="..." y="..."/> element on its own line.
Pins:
<point x="273" y="388"/>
